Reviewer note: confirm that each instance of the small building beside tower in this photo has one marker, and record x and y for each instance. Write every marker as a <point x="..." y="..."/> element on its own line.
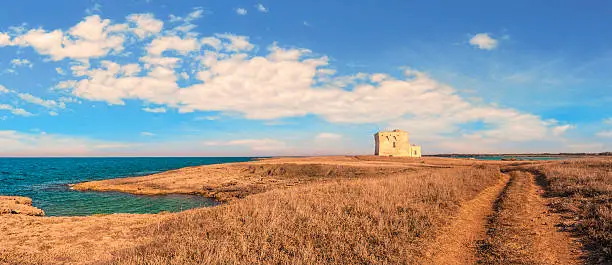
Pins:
<point x="395" y="143"/>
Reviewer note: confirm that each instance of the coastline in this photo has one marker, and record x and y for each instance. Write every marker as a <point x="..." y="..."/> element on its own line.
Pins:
<point x="231" y="181"/>
<point x="19" y="205"/>
<point x="242" y="187"/>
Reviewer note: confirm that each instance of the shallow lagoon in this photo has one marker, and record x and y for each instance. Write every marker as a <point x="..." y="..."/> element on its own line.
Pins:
<point x="46" y="180"/>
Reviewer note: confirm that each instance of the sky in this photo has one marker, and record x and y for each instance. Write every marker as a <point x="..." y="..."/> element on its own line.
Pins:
<point x="319" y="77"/>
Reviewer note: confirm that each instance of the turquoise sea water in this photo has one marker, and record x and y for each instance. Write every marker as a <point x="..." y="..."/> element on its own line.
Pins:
<point x="46" y="180"/>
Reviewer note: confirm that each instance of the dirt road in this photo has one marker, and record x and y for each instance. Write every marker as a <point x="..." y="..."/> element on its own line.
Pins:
<point x="509" y="223"/>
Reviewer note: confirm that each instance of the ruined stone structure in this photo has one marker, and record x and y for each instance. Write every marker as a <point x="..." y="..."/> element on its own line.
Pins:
<point x="395" y="143"/>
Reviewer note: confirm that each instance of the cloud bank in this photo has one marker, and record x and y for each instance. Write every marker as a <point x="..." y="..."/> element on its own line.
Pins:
<point x="179" y="70"/>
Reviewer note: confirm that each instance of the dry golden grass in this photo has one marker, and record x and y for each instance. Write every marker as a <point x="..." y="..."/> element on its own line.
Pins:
<point x="384" y="219"/>
<point x="582" y="192"/>
<point x="68" y="240"/>
<point x="234" y="181"/>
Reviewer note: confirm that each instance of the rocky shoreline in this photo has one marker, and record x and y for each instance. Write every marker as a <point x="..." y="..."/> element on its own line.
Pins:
<point x="19" y="205"/>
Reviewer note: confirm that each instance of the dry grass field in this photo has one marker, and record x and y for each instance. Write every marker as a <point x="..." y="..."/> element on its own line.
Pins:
<point x="69" y="240"/>
<point x="360" y="221"/>
<point x="581" y="190"/>
<point x="342" y="210"/>
<point x="237" y="180"/>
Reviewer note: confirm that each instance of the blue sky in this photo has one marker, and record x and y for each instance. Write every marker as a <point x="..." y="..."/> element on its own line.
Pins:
<point x="232" y="78"/>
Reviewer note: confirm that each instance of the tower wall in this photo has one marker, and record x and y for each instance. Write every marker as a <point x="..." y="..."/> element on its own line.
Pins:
<point x="394" y="143"/>
<point x="415" y="151"/>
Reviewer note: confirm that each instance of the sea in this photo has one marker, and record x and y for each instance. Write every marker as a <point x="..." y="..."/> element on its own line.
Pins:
<point x="46" y="181"/>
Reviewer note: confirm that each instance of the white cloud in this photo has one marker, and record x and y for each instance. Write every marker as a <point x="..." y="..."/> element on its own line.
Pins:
<point x="211" y="41"/>
<point x="53" y="113"/>
<point x="241" y="11"/>
<point x="21" y="62"/>
<point x="91" y="38"/>
<point x="155" y="110"/>
<point x="377" y="78"/>
<point x="560" y="130"/>
<point x="607" y="121"/>
<point x="197" y="13"/>
<point x="69" y="100"/>
<point x="276" y="83"/>
<point x="10" y="71"/>
<point x="3" y="89"/>
<point x="181" y="45"/>
<point x="261" y="8"/>
<point x="236" y="43"/>
<point x="18" y="29"/>
<point x="604" y="134"/>
<point x="165" y="62"/>
<point x="26" y="144"/>
<point x="47" y="103"/>
<point x="328" y="136"/>
<point x="16" y="111"/>
<point x="187" y="22"/>
<point x="60" y="71"/>
<point x="146" y="24"/>
<point x="254" y="144"/>
<point x="284" y="83"/>
<point x="483" y="41"/>
<point x="147" y="134"/>
<point x="5" y="39"/>
<point x="66" y="84"/>
<point x="113" y="145"/>
<point x="276" y="123"/>
<point x="586" y="147"/>
<point x="96" y="8"/>
<point x="207" y="118"/>
<point x="113" y="83"/>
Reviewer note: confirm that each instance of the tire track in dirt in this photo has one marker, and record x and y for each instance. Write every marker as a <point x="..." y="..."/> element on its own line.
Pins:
<point x="522" y="229"/>
<point x="455" y="244"/>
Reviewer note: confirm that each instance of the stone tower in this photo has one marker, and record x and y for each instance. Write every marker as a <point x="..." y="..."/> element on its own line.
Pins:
<point x="395" y="143"/>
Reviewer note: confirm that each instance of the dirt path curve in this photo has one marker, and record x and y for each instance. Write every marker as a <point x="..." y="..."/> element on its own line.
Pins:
<point x="551" y="246"/>
<point x="455" y="244"/>
<point x="522" y="229"/>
